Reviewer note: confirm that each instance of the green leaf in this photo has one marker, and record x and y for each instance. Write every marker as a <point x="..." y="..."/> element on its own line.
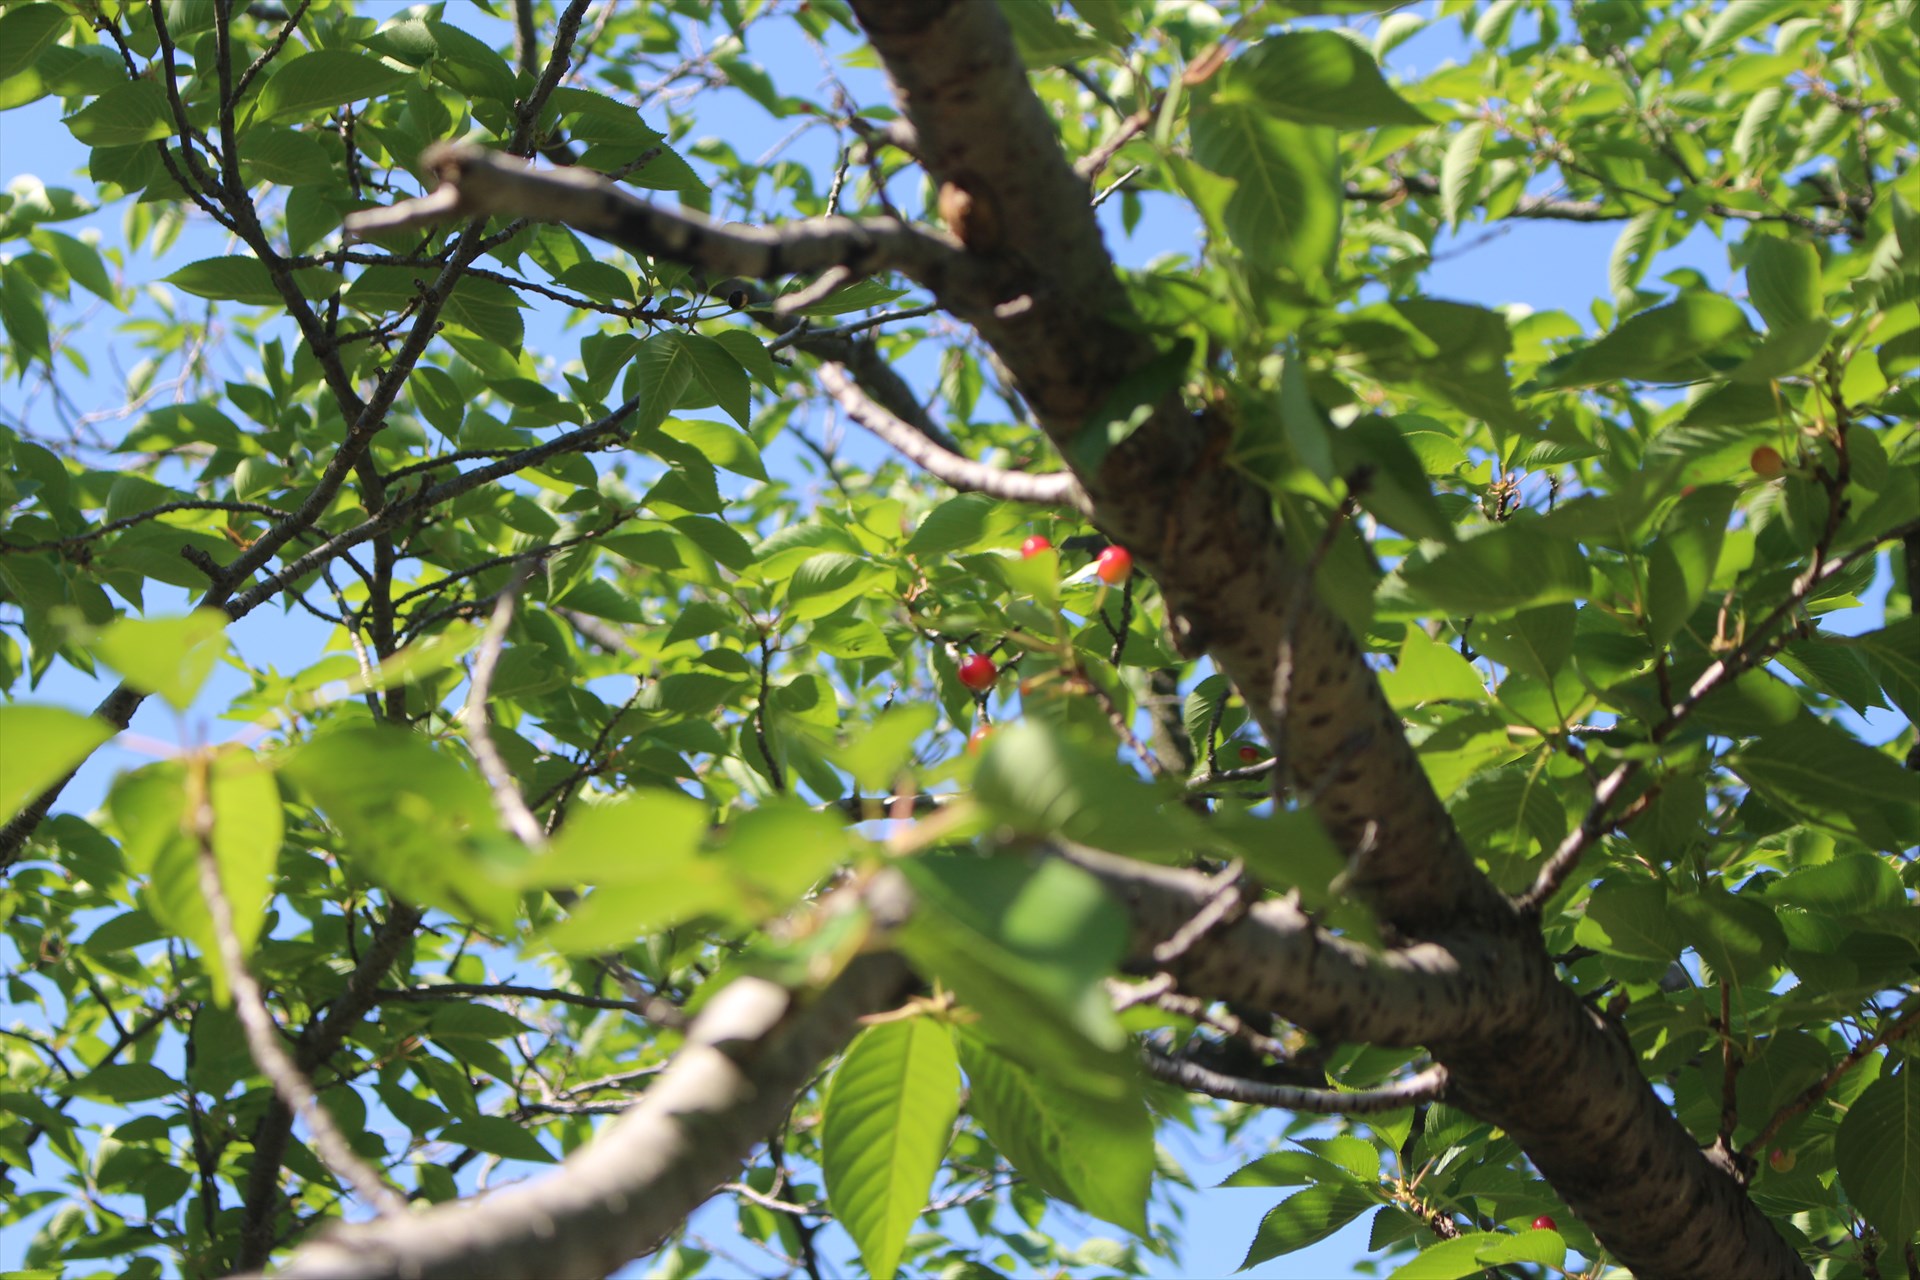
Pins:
<point x="59" y="740"/>
<point x="1629" y="918"/>
<point x="822" y="584"/>
<point x="638" y="839"/>
<point x="1429" y="671"/>
<point x="1533" y="642"/>
<point x="171" y="657"/>
<point x="967" y="522"/>
<point x="1893" y="653"/>
<point x="1639" y="241"/>
<point x="1202" y="708"/>
<point x="1284" y="214"/>
<point x="235" y="279"/>
<point x="880" y="752"/>
<point x="285" y="156"/>
<point x="1783" y="281"/>
<point x="1449" y="351"/>
<point x="80" y="260"/>
<point x="497" y="1136"/>
<point x="23" y="310"/>
<point x="1681" y="562"/>
<point x="150" y="806"/>
<point x="1735" y="18"/>
<point x="25" y="32"/>
<point x="658" y="375"/>
<point x="1510" y="566"/>
<point x="1737" y="936"/>
<point x="1460" y="171"/>
<point x="1386" y="474"/>
<point x="412" y="818"/>
<point x="1850" y="884"/>
<point x="1665" y="344"/>
<point x="1128" y="404"/>
<point x="716" y="377"/>
<point x="1319" y="77"/>
<point x="1877" y="1153"/>
<point x="888" y="1113"/>
<point x="248" y="825"/>
<point x="1307" y="1217"/>
<point x="1756" y="124"/>
<point x="1472" y="1253"/>
<point x="1825" y="772"/>
<point x="1044" y="40"/>
<point x="1095" y="1152"/>
<point x="123" y="1083"/>
<point x="719" y="444"/>
<point x="1036" y="779"/>
<point x="322" y="80"/>
<point x="1027" y="947"/>
<point x="123" y="116"/>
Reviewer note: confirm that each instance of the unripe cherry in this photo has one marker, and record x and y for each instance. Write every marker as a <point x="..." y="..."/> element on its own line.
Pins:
<point x="978" y="738"/>
<point x="1767" y="462"/>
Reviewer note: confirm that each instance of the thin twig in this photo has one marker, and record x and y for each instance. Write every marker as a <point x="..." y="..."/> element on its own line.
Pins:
<point x="507" y="801"/>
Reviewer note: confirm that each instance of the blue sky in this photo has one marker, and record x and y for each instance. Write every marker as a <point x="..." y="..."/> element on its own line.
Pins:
<point x="1541" y="265"/>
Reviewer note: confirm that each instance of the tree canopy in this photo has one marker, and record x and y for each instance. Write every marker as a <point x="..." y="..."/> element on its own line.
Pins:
<point x="1243" y="681"/>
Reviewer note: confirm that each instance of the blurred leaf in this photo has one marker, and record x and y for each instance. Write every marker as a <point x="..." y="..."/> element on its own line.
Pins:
<point x="38" y="745"/>
<point x="171" y="657"/>
<point x="1026" y="946"/>
<point x="1318" y="77"/>
<point x="322" y="79"/>
<point x="1507" y="567"/>
<point x="1666" y="344"/>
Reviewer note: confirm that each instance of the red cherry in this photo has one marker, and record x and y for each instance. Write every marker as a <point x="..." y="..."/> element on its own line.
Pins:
<point x="978" y="673"/>
<point x="1782" y="1160"/>
<point x="1034" y="546"/>
<point x="1114" y="566"/>
<point x="1545" y="1223"/>
<point x="1249" y="754"/>
<point x="1767" y="462"/>
<point x="978" y="738"/>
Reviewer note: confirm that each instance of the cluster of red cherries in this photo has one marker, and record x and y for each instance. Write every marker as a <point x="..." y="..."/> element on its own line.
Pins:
<point x="1113" y="567"/>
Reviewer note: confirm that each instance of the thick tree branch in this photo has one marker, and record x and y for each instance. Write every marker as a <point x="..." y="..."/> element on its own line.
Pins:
<point x="755" y="1046"/>
<point x="1567" y="1087"/>
<point x="1056" y="488"/>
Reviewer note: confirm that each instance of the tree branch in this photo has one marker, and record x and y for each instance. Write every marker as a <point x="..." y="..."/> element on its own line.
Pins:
<point x="478" y="183"/>
<point x="1055" y="488"/>
<point x="754" y="1046"/>
<point x="1427" y="1086"/>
